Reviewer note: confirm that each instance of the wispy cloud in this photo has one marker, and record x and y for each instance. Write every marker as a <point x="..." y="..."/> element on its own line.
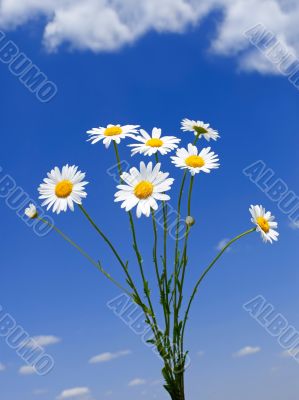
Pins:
<point x="42" y="341"/>
<point x="294" y="225"/>
<point x="289" y="353"/>
<point x="110" y="25"/>
<point x="137" y="382"/>
<point x="105" y="357"/>
<point x="2" y="367"/>
<point x="27" y="370"/>
<point x="39" y="392"/>
<point x="77" y="392"/>
<point x="222" y="243"/>
<point x="247" y="351"/>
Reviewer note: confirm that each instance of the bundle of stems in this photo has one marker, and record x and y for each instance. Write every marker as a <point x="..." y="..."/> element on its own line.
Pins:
<point x="170" y="271"/>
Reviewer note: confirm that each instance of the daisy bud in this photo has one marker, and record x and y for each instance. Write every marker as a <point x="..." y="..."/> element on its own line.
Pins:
<point x="31" y="211"/>
<point x="190" y="221"/>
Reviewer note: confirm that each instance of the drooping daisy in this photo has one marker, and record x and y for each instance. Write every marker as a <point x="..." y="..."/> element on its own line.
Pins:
<point x="150" y="145"/>
<point x="112" y="132"/>
<point x="265" y="223"/>
<point x="63" y="188"/>
<point x="204" y="161"/>
<point x="31" y="211"/>
<point x="199" y="128"/>
<point x="143" y="188"/>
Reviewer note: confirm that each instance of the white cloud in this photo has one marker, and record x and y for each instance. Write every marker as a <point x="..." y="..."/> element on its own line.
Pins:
<point x="290" y="353"/>
<point x="78" y="392"/>
<point x="222" y="244"/>
<point x="108" y="25"/>
<point x="2" y="367"/>
<point x="294" y="225"/>
<point x="105" y="357"/>
<point x="247" y="351"/>
<point x="27" y="370"/>
<point x="42" y="341"/>
<point x="200" y="353"/>
<point x="39" y="392"/>
<point x="137" y="382"/>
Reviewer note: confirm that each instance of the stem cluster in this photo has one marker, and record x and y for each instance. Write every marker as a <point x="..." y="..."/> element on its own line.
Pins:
<point x="168" y="340"/>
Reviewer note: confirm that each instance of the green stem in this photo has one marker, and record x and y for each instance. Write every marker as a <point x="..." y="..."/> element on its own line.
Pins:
<point x="160" y="283"/>
<point x="136" y="249"/>
<point x="104" y="237"/>
<point x="206" y="272"/>
<point x="86" y="255"/>
<point x="176" y="262"/>
<point x="183" y="263"/>
<point x="165" y="274"/>
<point x="123" y="265"/>
<point x="190" y="194"/>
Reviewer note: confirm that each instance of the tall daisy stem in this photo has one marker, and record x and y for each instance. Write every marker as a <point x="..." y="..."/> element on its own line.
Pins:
<point x="104" y="237"/>
<point x="165" y="273"/>
<point x="124" y="265"/>
<point x="210" y="266"/>
<point x="184" y="260"/>
<point x="87" y="256"/>
<point x="137" y="252"/>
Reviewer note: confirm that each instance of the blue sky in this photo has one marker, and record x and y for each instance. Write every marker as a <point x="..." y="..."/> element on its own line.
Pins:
<point x="50" y="290"/>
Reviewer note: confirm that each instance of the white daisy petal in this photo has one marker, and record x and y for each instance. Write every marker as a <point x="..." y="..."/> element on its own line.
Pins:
<point x="63" y="188"/>
<point x="150" y="145"/>
<point x="200" y="129"/>
<point x="31" y="211"/>
<point x="111" y="133"/>
<point x="264" y="222"/>
<point x="189" y="159"/>
<point x="144" y="188"/>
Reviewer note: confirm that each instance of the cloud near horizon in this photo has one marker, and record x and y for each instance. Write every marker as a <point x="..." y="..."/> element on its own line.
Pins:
<point x="137" y="382"/>
<point x="109" y="25"/>
<point x="42" y="341"/>
<point x="105" y="357"/>
<point x="247" y="351"/>
<point x="77" y="392"/>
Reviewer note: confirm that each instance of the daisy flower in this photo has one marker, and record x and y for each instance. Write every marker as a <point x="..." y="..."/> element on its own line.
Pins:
<point x="150" y="145"/>
<point x="199" y="128"/>
<point x="265" y="223"/>
<point x="143" y="188"/>
<point x="112" y="132"/>
<point x="61" y="189"/>
<point x="31" y="211"/>
<point x="190" y="159"/>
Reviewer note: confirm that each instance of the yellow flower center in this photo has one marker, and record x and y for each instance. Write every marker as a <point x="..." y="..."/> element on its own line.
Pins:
<point x="113" y="131"/>
<point x="199" y="129"/>
<point x="63" y="189"/>
<point x="154" y="142"/>
<point x="263" y="224"/>
<point x="143" y="189"/>
<point x="195" y="161"/>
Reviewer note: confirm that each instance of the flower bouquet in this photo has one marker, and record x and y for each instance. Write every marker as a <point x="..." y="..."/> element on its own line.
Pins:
<point x="145" y="189"/>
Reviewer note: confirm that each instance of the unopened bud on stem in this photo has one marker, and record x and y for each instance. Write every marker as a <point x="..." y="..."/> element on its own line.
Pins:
<point x="190" y="221"/>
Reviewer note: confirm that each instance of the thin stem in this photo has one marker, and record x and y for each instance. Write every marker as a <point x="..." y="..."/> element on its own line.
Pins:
<point x="101" y="233"/>
<point x="165" y="274"/>
<point x="136" y="249"/>
<point x="87" y="256"/>
<point x="183" y="264"/>
<point x="206" y="272"/>
<point x="190" y="195"/>
<point x="123" y="265"/>
<point x="160" y="283"/>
